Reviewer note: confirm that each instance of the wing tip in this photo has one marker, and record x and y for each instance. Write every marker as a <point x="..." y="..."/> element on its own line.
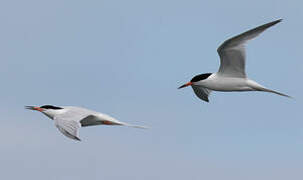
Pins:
<point x="265" y="26"/>
<point x="277" y="21"/>
<point x="75" y="138"/>
<point x="205" y="99"/>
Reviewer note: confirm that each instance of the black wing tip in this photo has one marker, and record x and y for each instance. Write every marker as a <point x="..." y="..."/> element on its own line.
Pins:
<point x="205" y="99"/>
<point x="274" y="22"/>
<point x="76" y="138"/>
<point x="277" y="21"/>
<point x="267" y="25"/>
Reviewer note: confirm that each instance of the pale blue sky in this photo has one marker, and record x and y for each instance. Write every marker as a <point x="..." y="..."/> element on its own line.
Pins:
<point x="126" y="59"/>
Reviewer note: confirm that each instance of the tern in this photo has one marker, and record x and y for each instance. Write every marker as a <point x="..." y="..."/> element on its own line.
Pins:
<point x="68" y="119"/>
<point x="231" y="75"/>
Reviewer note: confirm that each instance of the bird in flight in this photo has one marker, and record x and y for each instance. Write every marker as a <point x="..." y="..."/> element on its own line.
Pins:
<point x="68" y="119"/>
<point x="231" y="75"/>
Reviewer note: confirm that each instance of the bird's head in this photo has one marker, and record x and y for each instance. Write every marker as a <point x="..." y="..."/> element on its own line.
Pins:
<point x="195" y="80"/>
<point x="48" y="110"/>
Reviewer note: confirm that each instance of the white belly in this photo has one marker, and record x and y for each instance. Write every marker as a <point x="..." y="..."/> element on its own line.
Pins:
<point x="220" y="83"/>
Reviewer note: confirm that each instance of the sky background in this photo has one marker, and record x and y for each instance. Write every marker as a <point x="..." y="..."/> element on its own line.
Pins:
<point x="126" y="59"/>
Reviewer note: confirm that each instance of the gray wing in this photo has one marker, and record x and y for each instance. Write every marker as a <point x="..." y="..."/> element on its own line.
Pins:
<point x="201" y="92"/>
<point x="69" y="124"/>
<point x="68" y="127"/>
<point x="90" y="120"/>
<point x="103" y="119"/>
<point x="232" y="51"/>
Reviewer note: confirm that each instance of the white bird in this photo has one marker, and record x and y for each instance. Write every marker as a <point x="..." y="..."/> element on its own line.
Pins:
<point x="231" y="75"/>
<point x="68" y="119"/>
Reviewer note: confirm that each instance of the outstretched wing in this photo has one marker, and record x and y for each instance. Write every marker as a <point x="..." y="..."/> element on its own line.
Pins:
<point x="69" y="122"/>
<point x="232" y="51"/>
<point x="201" y="92"/>
<point x="68" y="127"/>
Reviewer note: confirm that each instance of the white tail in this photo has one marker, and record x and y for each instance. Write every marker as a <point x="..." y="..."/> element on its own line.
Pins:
<point x="257" y="87"/>
<point x="136" y="126"/>
<point x="272" y="91"/>
<point x="119" y="123"/>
